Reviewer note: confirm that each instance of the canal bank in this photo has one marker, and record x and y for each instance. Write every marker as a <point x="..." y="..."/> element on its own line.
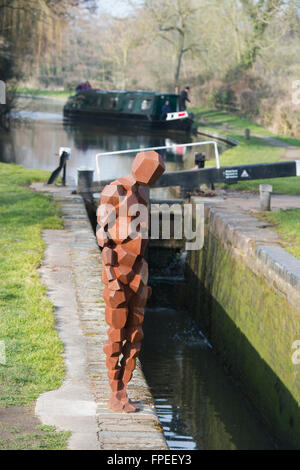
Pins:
<point x="245" y="295"/>
<point x="72" y="273"/>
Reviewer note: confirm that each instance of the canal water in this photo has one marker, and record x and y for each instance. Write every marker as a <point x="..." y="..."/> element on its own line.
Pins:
<point x="198" y="404"/>
<point x="38" y="130"/>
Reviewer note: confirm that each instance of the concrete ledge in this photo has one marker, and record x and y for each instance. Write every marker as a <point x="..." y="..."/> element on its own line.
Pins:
<point x="282" y="262"/>
<point x="245" y="292"/>
<point x="248" y="237"/>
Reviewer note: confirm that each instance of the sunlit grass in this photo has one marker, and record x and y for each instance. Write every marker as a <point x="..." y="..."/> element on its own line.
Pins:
<point x="49" y="93"/>
<point x="33" y="349"/>
<point x="287" y="225"/>
<point x="34" y="362"/>
<point x="255" y="150"/>
<point x="43" y="438"/>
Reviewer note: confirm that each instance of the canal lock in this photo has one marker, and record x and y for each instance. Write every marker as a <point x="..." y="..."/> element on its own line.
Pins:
<point x="198" y="404"/>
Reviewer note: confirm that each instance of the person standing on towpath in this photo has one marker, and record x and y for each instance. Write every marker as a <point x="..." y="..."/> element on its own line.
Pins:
<point x="183" y="98"/>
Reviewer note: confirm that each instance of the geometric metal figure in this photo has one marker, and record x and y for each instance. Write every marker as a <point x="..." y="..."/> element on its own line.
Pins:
<point x="125" y="271"/>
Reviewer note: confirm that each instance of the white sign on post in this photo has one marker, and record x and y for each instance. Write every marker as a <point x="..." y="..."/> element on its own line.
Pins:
<point x="67" y="150"/>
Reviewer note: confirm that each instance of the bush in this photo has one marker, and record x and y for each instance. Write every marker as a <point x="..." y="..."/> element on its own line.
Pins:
<point x="225" y="98"/>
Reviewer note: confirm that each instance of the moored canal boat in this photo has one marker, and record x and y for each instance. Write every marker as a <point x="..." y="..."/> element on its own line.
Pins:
<point x="135" y="108"/>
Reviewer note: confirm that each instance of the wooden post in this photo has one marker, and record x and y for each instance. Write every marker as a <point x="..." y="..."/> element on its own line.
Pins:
<point x="64" y="177"/>
<point x="85" y="179"/>
<point x="247" y="134"/>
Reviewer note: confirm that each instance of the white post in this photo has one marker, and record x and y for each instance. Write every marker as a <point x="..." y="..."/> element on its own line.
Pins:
<point x="265" y="191"/>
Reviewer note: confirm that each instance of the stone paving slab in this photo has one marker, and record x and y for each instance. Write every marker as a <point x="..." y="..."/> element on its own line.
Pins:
<point x="76" y="289"/>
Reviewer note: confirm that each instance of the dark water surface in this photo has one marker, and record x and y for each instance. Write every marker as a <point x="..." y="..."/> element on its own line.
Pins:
<point x="198" y="405"/>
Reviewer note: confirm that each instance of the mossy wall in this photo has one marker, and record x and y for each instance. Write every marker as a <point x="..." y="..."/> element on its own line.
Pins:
<point x="252" y="327"/>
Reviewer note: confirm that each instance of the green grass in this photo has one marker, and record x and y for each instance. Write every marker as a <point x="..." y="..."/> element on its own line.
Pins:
<point x="34" y="362"/>
<point x="37" y="92"/>
<point x="236" y="125"/>
<point x="287" y="224"/>
<point x="255" y="150"/>
<point x="43" y="438"/>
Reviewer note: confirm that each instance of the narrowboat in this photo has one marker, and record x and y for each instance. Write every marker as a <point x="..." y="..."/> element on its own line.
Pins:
<point x="143" y="109"/>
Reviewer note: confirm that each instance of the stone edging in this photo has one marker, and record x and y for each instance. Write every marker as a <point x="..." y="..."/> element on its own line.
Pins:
<point x="217" y="135"/>
<point x="247" y="236"/>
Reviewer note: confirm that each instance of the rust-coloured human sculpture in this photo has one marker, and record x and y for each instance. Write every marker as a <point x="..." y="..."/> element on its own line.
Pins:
<point x="121" y="234"/>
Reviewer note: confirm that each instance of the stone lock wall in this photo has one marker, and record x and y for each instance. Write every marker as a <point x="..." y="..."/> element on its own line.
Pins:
<point x="245" y="292"/>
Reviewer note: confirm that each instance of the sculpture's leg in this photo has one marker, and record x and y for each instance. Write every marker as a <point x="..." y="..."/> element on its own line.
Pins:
<point x="113" y="349"/>
<point x="134" y="335"/>
<point x="116" y="318"/>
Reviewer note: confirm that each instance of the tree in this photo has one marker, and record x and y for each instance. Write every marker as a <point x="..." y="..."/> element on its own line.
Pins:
<point x="174" y="21"/>
<point x="260" y="14"/>
<point x="33" y="27"/>
<point x="28" y="31"/>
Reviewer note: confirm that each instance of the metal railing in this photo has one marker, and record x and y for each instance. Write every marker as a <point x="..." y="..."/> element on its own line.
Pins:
<point x="165" y="147"/>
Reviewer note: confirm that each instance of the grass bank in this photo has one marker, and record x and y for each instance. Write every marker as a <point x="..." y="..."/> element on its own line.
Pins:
<point x="263" y="146"/>
<point x="47" y="93"/>
<point x="34" y="362"/>
<point x="287" y="224"/>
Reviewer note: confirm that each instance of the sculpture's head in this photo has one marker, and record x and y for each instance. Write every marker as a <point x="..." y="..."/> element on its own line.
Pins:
<point x="147" y="167"/>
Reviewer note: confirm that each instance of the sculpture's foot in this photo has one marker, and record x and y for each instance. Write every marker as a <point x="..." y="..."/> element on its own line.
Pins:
<point x="129" y="407"/>
<point x="116" y="400"/>
<point x="119" y="401"/>
<point x="115" y="405"/>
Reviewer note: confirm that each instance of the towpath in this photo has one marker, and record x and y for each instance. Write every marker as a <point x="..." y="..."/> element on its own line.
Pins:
<point x="72" y="273"/>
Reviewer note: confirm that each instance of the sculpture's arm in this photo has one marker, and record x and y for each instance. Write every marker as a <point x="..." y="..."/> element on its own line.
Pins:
<point x="107" y="212"/>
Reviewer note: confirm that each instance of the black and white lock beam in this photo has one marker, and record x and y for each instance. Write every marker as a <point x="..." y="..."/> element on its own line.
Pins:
<point x="191" y="179"/>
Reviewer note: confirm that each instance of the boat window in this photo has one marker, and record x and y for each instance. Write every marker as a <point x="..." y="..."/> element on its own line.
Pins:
<point x="79" y="100"/>
<point x="130" y="104"/>
<point x="146" y="104"/>
<point x="114" y="102"/>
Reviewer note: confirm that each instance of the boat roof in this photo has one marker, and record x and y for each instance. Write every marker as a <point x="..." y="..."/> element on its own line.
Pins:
<point x="131" y="92"/>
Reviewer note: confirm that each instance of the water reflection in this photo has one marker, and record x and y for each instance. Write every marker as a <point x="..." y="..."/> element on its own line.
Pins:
<point x="38" y="130"/>
<point x="198" y="405"/>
